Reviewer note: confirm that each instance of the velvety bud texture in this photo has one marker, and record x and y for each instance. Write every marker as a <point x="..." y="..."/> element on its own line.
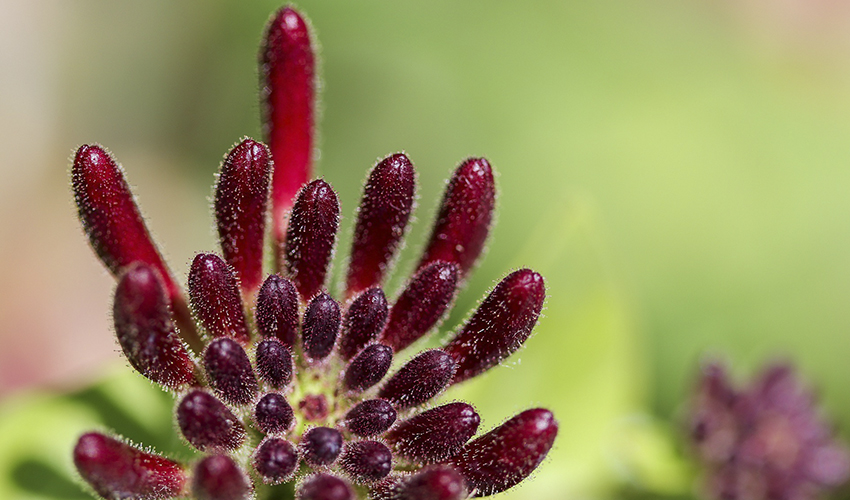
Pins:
<point x="285" y="390"/>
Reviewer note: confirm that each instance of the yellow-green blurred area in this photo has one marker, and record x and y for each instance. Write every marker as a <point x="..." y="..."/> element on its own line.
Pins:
<point x="678" y="171"/>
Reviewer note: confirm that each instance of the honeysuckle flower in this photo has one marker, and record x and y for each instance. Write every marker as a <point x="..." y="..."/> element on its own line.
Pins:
<point x="274" y="379"/>
<point x="766" y="441"/>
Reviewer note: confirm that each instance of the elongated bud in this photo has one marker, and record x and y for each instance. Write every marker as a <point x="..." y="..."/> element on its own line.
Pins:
<point x="381" y="221"/>
<point x="363" y="321"/>
<point x="366" y="460"/>
<point x="321" y="446"/>
<point x="241" y="203"/>
<point x="273" y="414"/>
<point x="146" y="331"/>
<point x="207" y="424"/>
<point x="215" y="297"/>
<point x="421" y="305"/>
<point x="217" y="477"/>
<point x="367" y="368"/>
<point x="506" y="455"/>
<point x="324" y="487"/>
<point x="500" y="325"/>
<point x="276" y="460"/>
<point x="229" y="371"/>
<point x="370" y="417"/>
<point x="277" y="310"/>
<point x="422" y="378"/>
<point x="118" y="471"/>
<point x="436" y="434"/>
<point x="466" y="212"/>
<point x="288" y="83"/>
<point x="310" y="237"/>
<point x="321" y="325"/>
<point x="438" y="482"/>
<point x="274" y="363"/>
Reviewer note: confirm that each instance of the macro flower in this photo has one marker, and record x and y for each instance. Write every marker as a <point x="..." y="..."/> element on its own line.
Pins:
<point x="767" y="441"/>
<point x="275" y="380"/>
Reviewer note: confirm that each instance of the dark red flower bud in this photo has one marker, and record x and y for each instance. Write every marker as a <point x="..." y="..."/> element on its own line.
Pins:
<point x="366" y="460"/>
<point x="146" y="331"/>
<point x="370" y="417"/>
<point x="500" y="325"/>
<point x="215" y="297"/>
<point x="367" y="368"/>
<point x="241" y="203"/>
<point x="274" y="363"/>
<point x="218" y="477"/>
<point x="229" y="371"/>
<point x="118" y="471"/>
<point x="314" y="407"/>
<point x="463" y="223"/>
<point x="422" y="378"/>
<point x="320" y="446"/>
<point x="320" y="328"/>
<point x="421" y="305"/>
<point x="381" y="221"/>
<point x="310" y="237"/>
<point x="273" y="414"/>
<point x="436" y="434"/>
<point x="277" y="310"/>
<point x="434" y="483"/>
<point x="207" y="424"/>
<point x="288" y="83"/>
<point x="363" y="321"/>
<point x="506" y="455"/>
<point x="276" y="460"/>
<point x="324" y="487"/>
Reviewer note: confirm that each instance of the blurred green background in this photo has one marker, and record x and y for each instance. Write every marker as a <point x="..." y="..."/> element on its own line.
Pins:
<point x="677" y="170"/>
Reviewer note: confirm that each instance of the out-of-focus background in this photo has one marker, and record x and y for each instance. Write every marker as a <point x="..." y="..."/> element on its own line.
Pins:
<point x="679" y="171"/>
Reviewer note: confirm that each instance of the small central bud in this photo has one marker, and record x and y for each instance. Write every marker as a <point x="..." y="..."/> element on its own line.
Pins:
<point x="314" y="407"/>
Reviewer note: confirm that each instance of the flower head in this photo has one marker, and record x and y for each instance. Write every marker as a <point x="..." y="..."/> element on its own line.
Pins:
<point x="766" y="441"/>
<point x="275" y="380"/>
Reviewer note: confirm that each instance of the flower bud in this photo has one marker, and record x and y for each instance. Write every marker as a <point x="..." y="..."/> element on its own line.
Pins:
<point x="320" y="446"/>
<point x="277" y="310"/>
<point x="274" y="363"/>
<point x="229" y="371"/>
<point x="363" y="321"/>
<point x="367" y="368"/>
<point x="310" y="237"/>
<point x="422" y="378"/>
<point x="217" y="477"/>
<point x="276" y="460"/>
<point x="500" y="325"/>
<point x="421" y="305"/>
<point x="215" y="298"/>
<point x="381" y="221"/>
<point x="433" y="483"/>
<point x="241" y="203"/>
<point x="324" y="487"/>
<point x="273" y="414"/>
<point x="436" y="434"/>
<point x="207" y="424"/>
<point x="366" y="460"/>
<point x="320" y="328"/>
<point x="506" y="455"/>
<point x="466" y="212"/>
<point x="370" y="417"/>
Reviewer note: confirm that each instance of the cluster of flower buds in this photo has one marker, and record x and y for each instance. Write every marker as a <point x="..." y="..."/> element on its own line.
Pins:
<point x="275" y="380"/>
<point x="766" y="441"/>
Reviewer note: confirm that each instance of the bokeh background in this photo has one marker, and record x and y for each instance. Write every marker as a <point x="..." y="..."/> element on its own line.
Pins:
<point x="677" y="170"/>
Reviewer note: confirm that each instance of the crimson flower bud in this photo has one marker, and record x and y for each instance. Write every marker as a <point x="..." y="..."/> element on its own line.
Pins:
<point x="146" y="331"/>
<point x="466" y="212"/>
<point x="119" y="471"/>
<point x="422" y="378"/>
<point x="506" y="455"/>
<point x="320" y="328"/>
<point x="276" y="460"/>
<point x="310" y="237"/>
<point x="370" y="417"/>
<point x="229" y="371"/>
<point x="366" y="460"/>
<point x="217" y="477"/>
<point x="241" y="203"/>
<point x="363" y="321"/>
<point x="277" y="310"/>
<point x="321" y="445"/>
<point x="436" y="434"/>
<point x="381" y="221"/>
<point x="434" y="483"/>
<point x="273" y="414"/>
<point x="215" y="297"/>
<point x="288" y="86"/>
<point x="421" y="305"/>
<point x="500" y="325"/>
<point x="274" y="363"/>
<point x="323" y="486"/>
<point x="367" y="368"/>
<point x="207" y="424"/>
